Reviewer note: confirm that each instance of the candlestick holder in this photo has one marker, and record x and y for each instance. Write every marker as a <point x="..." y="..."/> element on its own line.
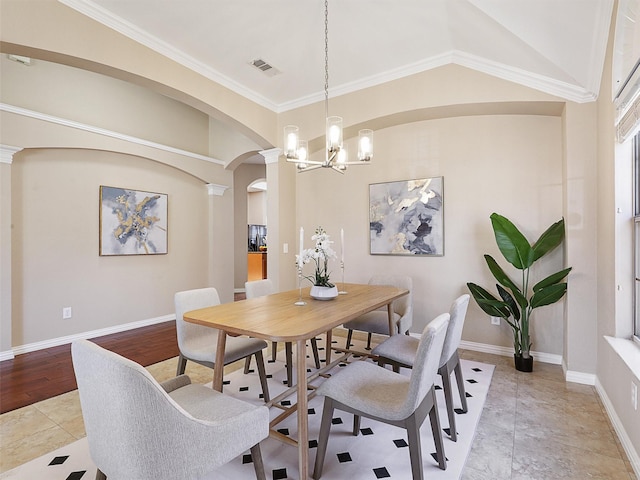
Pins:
<point x="343" y="291"/>
<point x="300" y="302"/>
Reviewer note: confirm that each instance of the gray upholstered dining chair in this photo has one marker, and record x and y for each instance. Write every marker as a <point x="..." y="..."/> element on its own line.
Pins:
<point x="199" y="343"/>
<point x="400" y="351"/>
<point x="138" y="428"/>
<point x="378" y="320"/>
<point x="365" y="389"/>
<point x="259" y="288"/>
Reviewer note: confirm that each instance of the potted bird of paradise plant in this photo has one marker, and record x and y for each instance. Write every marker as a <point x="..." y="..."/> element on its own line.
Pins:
<point x="516" y="302"/>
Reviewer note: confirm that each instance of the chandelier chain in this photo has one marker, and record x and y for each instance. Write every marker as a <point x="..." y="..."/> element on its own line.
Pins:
<point x="326" y="58"/>
<point x="335" y="151"/>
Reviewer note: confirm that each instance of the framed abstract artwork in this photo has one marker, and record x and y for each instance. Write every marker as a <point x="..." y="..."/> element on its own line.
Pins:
<point x="132" y="222"/>
<point x="407" y="217"/>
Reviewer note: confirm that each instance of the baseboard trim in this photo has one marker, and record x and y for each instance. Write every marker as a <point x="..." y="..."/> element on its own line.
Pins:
<point x="578" y="377"/>
<point x="632" y="455"/>
<point x="508" y="352"/>
<point x="55" y="342"/>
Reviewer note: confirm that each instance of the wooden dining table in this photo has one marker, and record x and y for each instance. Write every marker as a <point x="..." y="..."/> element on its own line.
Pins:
<point x="277" y="318"/>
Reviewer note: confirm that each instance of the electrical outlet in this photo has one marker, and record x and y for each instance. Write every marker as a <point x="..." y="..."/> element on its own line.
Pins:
<point x="634" y="395"/>
<point x="285" y="248"/>
<point x="66" y="313"/>
<point x="495" y="320"/>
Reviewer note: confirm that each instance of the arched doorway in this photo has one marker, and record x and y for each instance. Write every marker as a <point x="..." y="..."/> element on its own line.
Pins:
<point x="257" y="230"/>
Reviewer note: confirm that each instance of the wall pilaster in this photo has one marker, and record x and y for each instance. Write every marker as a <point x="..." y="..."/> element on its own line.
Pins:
<point x="6" y="159"/>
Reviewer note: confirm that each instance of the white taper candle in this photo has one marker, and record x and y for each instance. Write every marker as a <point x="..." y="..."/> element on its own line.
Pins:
<point x="301" y="243"/>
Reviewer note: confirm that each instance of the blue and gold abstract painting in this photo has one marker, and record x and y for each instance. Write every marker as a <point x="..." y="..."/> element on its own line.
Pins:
<point x="407" y="217"/>
<point x="132" y="222"/>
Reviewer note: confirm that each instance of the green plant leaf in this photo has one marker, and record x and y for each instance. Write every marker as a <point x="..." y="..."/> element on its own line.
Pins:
<point x="551" y="279"/>
<point x="511" y="242"/>
<point x="511" y="303"/>
<point x="548" y="295"/>
<point x="550" y="239"/>
<point x="500" y="275"/>
<point x="487" y="302"/>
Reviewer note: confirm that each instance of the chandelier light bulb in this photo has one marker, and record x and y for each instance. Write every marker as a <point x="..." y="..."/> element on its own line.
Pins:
<point x="334" y="133"/>
<point x="302" y="151"/>
<point x="341" y="161"/>
<point x="291" y="141"/>
<point x="365" y="145"/>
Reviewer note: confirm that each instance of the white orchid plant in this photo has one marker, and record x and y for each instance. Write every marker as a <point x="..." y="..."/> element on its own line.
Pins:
<point x="320" y="255"/>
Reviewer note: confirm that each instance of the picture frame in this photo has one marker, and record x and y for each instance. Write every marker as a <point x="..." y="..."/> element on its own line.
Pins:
<point x="132" y="222"/>
<point x="407" y="217"/>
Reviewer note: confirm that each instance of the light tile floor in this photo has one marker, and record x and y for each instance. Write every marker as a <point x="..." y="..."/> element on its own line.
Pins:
<point x="534" y="426"/>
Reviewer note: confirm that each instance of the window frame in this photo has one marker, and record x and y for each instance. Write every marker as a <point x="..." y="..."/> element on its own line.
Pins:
<point x="636" y="236"/>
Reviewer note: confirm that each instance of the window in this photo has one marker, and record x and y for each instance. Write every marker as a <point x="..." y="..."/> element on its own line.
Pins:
<point x="636" y="232"/>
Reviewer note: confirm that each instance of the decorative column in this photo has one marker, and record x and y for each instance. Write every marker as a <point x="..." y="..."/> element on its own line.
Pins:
<point x="220" y="273"/>
<point x="6" y="159"/>
<point x="271" y="157"/>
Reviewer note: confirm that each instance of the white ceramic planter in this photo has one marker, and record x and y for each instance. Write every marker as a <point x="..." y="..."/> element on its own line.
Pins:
<point x="324" y="293"/>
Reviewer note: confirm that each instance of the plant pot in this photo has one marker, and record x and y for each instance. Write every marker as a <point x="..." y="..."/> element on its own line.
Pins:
<point x="324" y="293"/>
<point x="523" y="364"/>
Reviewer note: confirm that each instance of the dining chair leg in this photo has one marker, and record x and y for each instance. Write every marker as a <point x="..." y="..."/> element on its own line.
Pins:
<point x="349" y="335"/>
<point x="316" y="355"/>
<point x="262" y="374"/>
<point x="258" y="465"/>
<point x="323" y="437"/>
<point x="274" y="351"/>
<point x="460" y="381"/>
<point x="182" y="365"/>
<point x="415" y="447"/>
<point x="247" y="364"/>
<point x="448" y="399"/>
<point x="288" y="349"/>
<point x="356" y="425"/>
<point x="434" y="419"/>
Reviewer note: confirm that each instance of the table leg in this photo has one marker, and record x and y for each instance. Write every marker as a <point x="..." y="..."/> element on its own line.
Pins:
<point x="218" y="371"/>
<point x="303" y="419"/>
<point x="328" y="347"/>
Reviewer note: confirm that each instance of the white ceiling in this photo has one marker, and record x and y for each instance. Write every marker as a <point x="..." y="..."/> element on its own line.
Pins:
<point x="556" y="46"/>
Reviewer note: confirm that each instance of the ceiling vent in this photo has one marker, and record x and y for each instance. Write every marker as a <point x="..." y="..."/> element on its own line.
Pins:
<point x="265" y="67"/>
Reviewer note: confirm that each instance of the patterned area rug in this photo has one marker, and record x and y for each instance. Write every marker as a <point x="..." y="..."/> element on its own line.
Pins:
<point x="379" y="451"/>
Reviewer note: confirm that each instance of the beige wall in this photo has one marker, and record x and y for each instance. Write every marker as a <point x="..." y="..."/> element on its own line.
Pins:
<point x="504" y="163"/>
<point x="103" y="102"/>
<point x="257" y="208"/>
<point x="55" y="244"/>
<point x="49" y="30"/>
<point x="615" y="356"/>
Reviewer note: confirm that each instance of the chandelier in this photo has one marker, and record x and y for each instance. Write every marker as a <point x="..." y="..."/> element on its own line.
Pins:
<point x="296" y="150"/>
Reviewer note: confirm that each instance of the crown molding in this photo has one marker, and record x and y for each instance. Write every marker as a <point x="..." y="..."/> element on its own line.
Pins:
<point x="215" y="189"/>
<point x="7" y="152"/>
<point x="99" y="14"/>
<point x="271" y="156"/>
<point x="545" y="84"/>
<point x="523" y="77"/>
<point x="104" y="132"/>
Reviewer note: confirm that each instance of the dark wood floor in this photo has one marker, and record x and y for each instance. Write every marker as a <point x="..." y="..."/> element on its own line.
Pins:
<point x="35" y="376"/>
